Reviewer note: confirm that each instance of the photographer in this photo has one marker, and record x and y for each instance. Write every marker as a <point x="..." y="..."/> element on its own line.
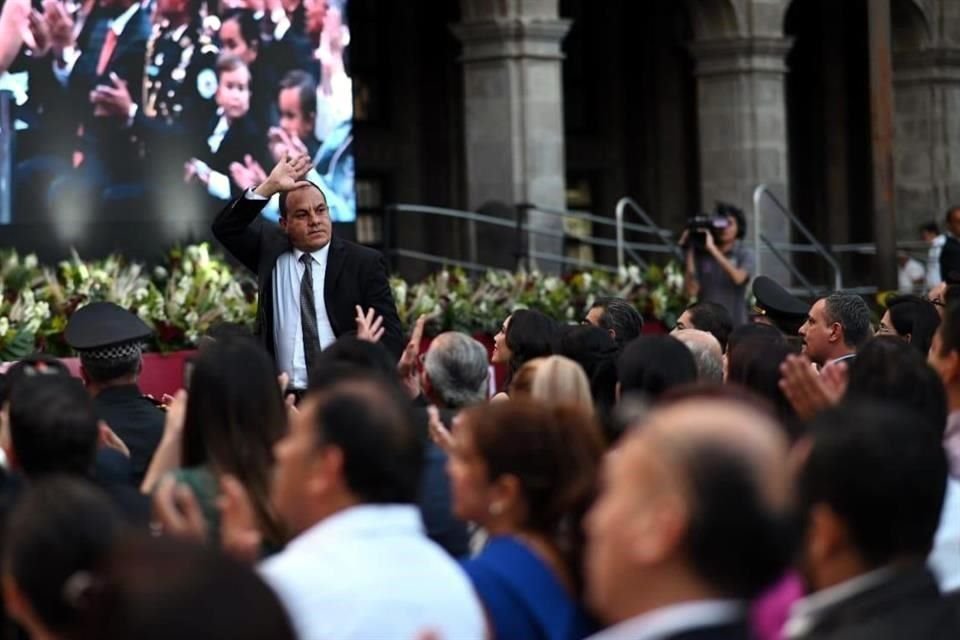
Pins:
<point x="718" y="265"/>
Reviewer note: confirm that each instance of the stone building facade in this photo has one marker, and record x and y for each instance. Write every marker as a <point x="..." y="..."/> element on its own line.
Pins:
<point x="484" y="104"/>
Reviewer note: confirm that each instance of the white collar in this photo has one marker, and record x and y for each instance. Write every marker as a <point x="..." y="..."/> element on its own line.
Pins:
<point x="805" y="612"/>
<point x="320" y="255"/>
<point x="120" y="22"/>
<point x="359" y="521"/>
<point x="672" y="619"/>
<point x="841" y="359"/>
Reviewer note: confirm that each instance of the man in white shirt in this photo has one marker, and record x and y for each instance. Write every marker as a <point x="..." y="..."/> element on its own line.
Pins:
<point x="870" y="493"/>
<point x="692" y="523"/>
<point x="836" y="327"/>
<point x="360" y="565"/>
<point x="930" y="233"/>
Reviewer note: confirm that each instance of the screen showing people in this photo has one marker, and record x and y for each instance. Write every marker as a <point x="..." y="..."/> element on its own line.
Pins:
<point x="168" y="109"/>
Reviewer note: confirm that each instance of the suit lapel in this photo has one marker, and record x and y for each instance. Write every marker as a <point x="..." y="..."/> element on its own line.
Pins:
<point x="335" y="260"/>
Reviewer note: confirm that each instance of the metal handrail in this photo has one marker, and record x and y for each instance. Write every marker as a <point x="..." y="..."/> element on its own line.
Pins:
<point x="6" y="157"/>
<point x="818" y="248"/>
<point x="664" y="236"/>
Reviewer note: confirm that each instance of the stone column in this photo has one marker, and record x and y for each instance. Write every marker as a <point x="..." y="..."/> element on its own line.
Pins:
<point x="927" y="150"/>
<point x="513" y="106"/>
<point x="741" y="84"/>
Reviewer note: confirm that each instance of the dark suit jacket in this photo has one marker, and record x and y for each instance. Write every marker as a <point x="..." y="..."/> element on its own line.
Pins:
<point x="243" y="137"/>
<point x="136" y="421"/>
<point x="355" y="275"/>
<point x="733" y="631"/>
<point x="908" y="605"/>
<point x="950" y="260"/>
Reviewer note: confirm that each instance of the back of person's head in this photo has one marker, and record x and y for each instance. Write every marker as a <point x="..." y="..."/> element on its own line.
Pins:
<point x="931" y="227"/>
<point x="521" y="382"/>
<point x="234" y="416"/>
<point x="370" y="422"/>
<point x="457" y="370"/>
<point x="765" y="332"/>
<point x="853" y="315"/>
<point x="620" y="317"/>
<point x="754" y="363"/>
<point x="125" y="365"/>
<point x="553" y="453"/>
<point x="57" y="535"/>
<point x="347" y="353"/>
<point x="158" y="589"/>
<point x="530" y="334"/>
<point x="53" y="427"/>
<point x="888" y="369"/>
<point x="651" y="365"/>
<point x="594" y="350"/>
<point x="706" y="352"/>
<point x="560" y="380"/>
<point x="713" y="318"/>
<point x="873" y="475"/>
<point x="914" y="318"/>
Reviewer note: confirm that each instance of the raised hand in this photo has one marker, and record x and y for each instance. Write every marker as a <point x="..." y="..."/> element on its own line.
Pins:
<point x="110" y="440"/>
<point x="410" y="358"/>
<point x="40" y="30"/>
<point x="176" y="511"/>
<point x="439" y="433"/>
<point x="808" y="391"/>
<point x="369" y="325"/>
<point x="112" y="100"/>
<point x="61" y="26"/>
<point x="239" y="535"/>
<point x="286" y="176"/>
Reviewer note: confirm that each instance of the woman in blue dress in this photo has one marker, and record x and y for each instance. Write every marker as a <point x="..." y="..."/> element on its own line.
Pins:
<point x="527" y="474"/>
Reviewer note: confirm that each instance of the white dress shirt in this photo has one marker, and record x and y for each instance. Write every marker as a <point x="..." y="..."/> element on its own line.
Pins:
<point x="672" y="620"/>
<point x="370" y="572"/>
<point x="933" y="261"/>
<point x="287" y="328"/>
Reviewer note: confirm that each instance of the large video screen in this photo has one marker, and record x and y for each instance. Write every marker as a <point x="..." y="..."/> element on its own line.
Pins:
<point x="133" y="123"/>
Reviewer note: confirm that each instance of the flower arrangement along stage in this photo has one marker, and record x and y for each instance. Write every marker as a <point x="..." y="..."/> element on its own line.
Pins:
<point x="195" y="288"/>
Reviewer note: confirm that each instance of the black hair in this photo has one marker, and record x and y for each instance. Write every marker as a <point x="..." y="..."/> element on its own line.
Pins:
<point x="285" y="194"/>
<point x="351" y="353"/>
<point x="235" y="414"/>
<point x="931" y="227"/>
<point x="53" y="427"/>
<point x="853" y="314"/>
<point x="731" y="211"/>
<point x="713" y="318"/>
<point x="620" y="316"/>
<point x="752" y="331"/>
<point x="736" y="541"/>
<point x="950" y="326"/>
<point x="160" y="588"/>
<point x="249" y="27"/>
<point x="530" y="334"/>
<point x="754" y="362"/>
<point x="371" y="422"/>
<point x="653" y="364"/>
<point x="917" y="317"/>
<point x="103" y="371"/>
<point x="56" y="537"/>
<point x="596" y="352"/>
<point x="307" y="90"/>
<point x="882" y="478"/>
<point x="888" y="369"/>
<point x="37" y="364"/>
<point x="950" y="211"/>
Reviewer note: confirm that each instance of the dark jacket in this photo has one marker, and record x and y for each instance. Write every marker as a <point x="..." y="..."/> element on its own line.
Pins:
<point x="950" y="260"/>
<point x="136" y="420"/>
<point x="355" y="275"/>
<point x="905" y="606"/>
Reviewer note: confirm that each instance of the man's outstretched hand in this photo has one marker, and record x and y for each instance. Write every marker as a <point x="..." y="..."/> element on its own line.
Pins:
<point x="286" y="176"/>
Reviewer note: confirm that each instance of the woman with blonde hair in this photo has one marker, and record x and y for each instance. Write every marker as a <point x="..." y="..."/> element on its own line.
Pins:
<point x="560" y="380"/>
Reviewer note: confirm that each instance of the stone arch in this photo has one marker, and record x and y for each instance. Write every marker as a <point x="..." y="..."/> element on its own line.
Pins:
<point x="714" y="19"/>
<point x="910" y="26"/>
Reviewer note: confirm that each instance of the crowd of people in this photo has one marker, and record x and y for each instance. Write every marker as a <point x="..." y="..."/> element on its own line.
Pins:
<point x="720" y="482"/>
<point x="121" y="102"/>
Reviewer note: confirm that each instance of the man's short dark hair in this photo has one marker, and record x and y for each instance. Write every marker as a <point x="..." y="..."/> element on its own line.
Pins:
<point x="931" y="227"/>
<point x="950" y="212"/>
<point x="307" y="87"/>
<point x="713" y="318"/>
<point x="622" y="317"/>
<point x="103" y="371"/>
<point x="737" y="541"/>
<point x="53" y="427"/>
<point x="881" y="475"/>
<point x="285" y="194"/>
<point x="853" y="314"/>
<point x="371" y="422"/>
<point x="651" y="365"/>
<point x="61" y="528"/>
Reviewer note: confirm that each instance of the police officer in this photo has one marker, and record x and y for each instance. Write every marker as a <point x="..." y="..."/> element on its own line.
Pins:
<point x="777" y="307"/>
<point x="109" y="342"/>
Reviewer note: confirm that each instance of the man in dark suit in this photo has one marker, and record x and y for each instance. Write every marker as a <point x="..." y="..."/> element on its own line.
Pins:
<point x="950" y="253"/>
<point x="692" y="523"/>
<point x="870" y="493"/>
<point x="310" y="281"/>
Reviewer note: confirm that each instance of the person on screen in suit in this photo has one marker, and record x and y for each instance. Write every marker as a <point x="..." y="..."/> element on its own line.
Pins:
<point x="310" y="281"/>
<point x="233" y="133"/>
<point x="693" y="521"/>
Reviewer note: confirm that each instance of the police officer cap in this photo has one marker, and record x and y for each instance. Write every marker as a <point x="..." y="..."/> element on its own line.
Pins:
<point x="776" y="302"/>
<point x="105" y="331"/>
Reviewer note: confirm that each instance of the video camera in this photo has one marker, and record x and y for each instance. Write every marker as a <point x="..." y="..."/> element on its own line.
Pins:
<point x="711" y="222"/>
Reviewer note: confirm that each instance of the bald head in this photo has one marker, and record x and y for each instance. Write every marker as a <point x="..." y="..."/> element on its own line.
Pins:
<point x="698" y="496"/>
<point x="706" y="351"/>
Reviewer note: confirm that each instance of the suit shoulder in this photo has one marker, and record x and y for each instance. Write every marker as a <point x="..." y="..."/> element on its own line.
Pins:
<point x="360" y="251"/>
